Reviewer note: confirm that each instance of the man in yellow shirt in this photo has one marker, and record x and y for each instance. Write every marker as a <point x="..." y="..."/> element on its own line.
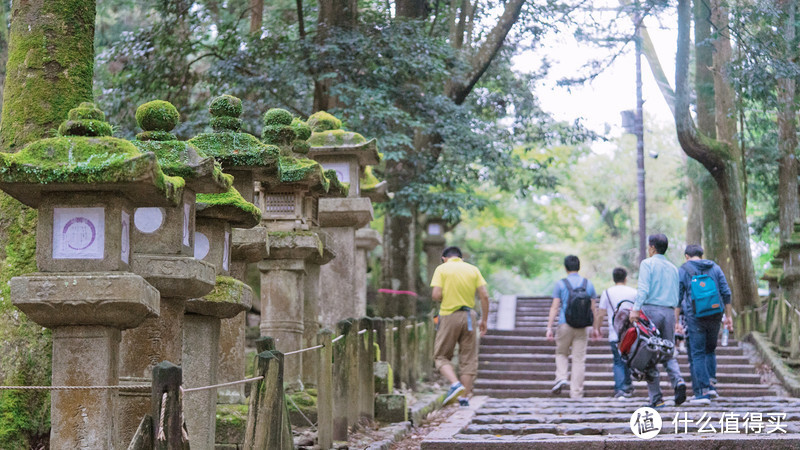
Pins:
<point x="455" y="283"/>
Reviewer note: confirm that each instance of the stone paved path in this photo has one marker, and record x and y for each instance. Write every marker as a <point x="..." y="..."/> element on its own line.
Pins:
<point x="513" y="406"/>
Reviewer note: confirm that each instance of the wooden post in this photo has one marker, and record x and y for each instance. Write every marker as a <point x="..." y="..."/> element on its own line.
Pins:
<point x="390" y="334"/>
<point x="379" y="325"/>
<point x="341" y="380"/>
<point x="325" y="390"/>
<point x="366" y="370"/>
<point x="398" y="365"/>
<point x="265" y="420"/>
<point x="168" y="424"/>
<point x="411" y="352"/>
<point x="794" y="342"/>
<point x="353" y="387"/>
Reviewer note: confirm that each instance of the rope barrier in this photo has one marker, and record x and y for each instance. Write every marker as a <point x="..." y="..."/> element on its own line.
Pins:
<point x="160" y="435"/>
<point x="337" y="338"/>
<point x="362" y="331"/>
<point x="232" y="383"/>
<point x="304" y="350"/>
<point x="394" y="328"/>
<point x="74" y="388"/>
<point x="313" y="425"/>
<point x="408" y="327"/>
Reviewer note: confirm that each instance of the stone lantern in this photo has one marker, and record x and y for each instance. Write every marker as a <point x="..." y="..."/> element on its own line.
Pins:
<point x="348" y="154"/>
<point x="164" y="256"/>
<point x="85" y="185"/>
<point x="246" y="158"/>
<point x="433" y="243"/>
<point x="290" y="211"/>
<point x="216" y="214"/>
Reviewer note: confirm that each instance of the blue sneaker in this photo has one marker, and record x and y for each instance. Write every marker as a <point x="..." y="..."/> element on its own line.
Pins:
<point x="464" y="403"/>
<point x="656" y="405"/>
<point x="455" y="390"/>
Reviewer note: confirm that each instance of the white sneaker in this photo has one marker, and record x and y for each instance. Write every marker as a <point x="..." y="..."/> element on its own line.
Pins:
<point x="558" y="386"/>
<point x="704" y="400"/>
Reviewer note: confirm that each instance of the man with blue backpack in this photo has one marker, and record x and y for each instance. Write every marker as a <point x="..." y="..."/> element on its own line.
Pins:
<point x="704" y="295"/>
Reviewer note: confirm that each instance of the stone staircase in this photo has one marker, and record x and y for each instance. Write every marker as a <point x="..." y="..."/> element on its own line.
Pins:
<point x="521" y="362"/>
<point x="513" y="405"/>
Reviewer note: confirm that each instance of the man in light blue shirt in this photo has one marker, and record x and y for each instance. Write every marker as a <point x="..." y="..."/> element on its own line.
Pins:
<point x="657" y="296"/>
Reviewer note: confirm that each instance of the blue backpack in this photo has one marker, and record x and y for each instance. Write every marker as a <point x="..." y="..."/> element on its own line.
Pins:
<point x="705" y="295"/>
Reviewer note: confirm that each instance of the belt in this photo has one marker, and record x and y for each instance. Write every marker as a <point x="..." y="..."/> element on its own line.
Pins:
<point x="469" y="316"/>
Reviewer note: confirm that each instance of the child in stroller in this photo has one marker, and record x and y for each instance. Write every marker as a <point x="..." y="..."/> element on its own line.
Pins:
<point x="640" y="343"/>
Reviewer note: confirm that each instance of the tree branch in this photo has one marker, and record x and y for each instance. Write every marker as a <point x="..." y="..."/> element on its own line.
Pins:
<point x="484" y="56"/>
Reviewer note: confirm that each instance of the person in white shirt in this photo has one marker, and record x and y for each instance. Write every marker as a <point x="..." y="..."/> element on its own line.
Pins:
<point x="609" y="301"/>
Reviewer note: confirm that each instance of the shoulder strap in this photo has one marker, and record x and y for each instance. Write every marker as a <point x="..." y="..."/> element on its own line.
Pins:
<point x="585" y="283"/>
<point x="567" y="285"/>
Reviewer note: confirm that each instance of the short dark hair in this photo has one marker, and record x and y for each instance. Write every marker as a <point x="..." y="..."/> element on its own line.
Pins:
<point x="659" y="241"/>
<point x="572" y="263"/>
<point x="694" y="250"/>
<point x="450" y="252"/>
<point x="619" y="274"/>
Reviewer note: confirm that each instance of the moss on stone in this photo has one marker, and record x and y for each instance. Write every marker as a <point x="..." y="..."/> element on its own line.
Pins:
<point x="237" y="149"/>
<point x="226" y="290"/>
<point x="279" y="135"/>
<point x="335" y="187"/>
<point x="249" y="215"/>
<point x="277" y="116"/>
<point x="303" y="170"/>
<point x="225" y="123"/>
<point x="156" y="136"/>
<point x="85" y="160"/>
<point x="86" y="111"/>
<point x="305" y="400"/>
<point x="225" y="106"/>
<point x="336" y="138"/>
<point x="302" y="129"/>
<point x="323" y="121"/>
<point x="84" y="127"/>
<point x="157" y="115"/>
<point x="231" y="423"/>
<point x="300" y="147"/>
<point x="368" y="179"/>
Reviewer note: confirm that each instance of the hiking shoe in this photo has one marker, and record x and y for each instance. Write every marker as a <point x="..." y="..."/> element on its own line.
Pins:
<point x="656" y="405"/>
<point x="628" y="391"/>
<point x="455" y="390"/>
<point x="701" y="400"/>
<point x="712" y="393"/>
<point x="680" y="393"/>
<point x="619" y="395"/>
<point x="464" y="403"/>
<point x="712" y="382"/>
<point x="558" y="386"/>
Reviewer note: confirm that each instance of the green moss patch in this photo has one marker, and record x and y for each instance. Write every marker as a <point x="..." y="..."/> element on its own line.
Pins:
<point x="323" y="121"/>
<point x="157" y="115"/>
<point x="336" y="138"/>
<point x="237" y="149"/>
<point x="368" y="179"/>
<point x="84" y="127"/>
<point x="225" y="106"/>
<point x="181" y="159"/>
<point x="335" y="187"/>
<point x="231" y="424"/>
<point x="226" y="290"/>
<point x="277" y="116"/>
<point x="231" y="206"/>
<point x="302" y="129"/>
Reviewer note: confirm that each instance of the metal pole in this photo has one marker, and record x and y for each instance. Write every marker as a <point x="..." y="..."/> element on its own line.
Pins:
<point x="640" y="142"/>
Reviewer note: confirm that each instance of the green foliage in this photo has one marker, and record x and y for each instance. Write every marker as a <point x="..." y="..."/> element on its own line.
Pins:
<point x="224" y="123"/>
<point x="277" y="116"/>
<point x="156" y="136"/>
<point x="84" y="127"/>
<point x="237" y="149"/>
<point x="302" y="129"/>
<point x="86" y="111"/>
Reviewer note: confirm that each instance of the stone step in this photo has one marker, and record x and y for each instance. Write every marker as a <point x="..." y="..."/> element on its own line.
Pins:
<point x="514" y="393"/>
<point x="607" y="385"/>
<point x="504" y="348"/>
<point x="598" y="367"/>
<point x="545" y="358"/>
<point x="726" y="377"/>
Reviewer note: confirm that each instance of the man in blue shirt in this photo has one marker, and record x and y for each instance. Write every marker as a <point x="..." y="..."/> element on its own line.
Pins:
<point x="567" y="337"/>
<point x="657" y="296"/>
<point x="703" y="331"/>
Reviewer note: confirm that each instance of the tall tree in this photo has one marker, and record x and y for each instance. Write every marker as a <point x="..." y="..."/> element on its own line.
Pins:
<point x="787" y="126"/>
<point x="49" y="71"/>
<point x="722" y="156"/>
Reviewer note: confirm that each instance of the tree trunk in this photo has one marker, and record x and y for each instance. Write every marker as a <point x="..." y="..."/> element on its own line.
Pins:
<point x="49" y="71"/>
<point x="787" y="135"/>
<point x="256" y="16"/>
<point x="694" y="202"/>
<point x="722" y="158"/>
<point x="715" y="233"/>
<point x="333" y="14"/>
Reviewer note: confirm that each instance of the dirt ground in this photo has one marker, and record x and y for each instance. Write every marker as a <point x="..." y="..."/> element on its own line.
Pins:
<point x="418" y="433"/>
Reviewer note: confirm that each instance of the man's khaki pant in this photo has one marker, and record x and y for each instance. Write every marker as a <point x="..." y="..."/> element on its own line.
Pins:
<point x="577" y="338"/>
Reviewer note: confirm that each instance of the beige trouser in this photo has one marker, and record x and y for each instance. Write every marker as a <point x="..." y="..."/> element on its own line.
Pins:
<point x="577" y="338"/>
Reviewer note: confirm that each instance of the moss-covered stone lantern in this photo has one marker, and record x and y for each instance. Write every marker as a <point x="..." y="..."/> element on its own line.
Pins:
<point x="85" y="185"/>
<point x="348" y="154"/>
<point x="216" y="214"/>
<point x="164" y="256"/>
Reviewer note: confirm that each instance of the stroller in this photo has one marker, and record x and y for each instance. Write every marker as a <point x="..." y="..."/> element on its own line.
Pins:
<point x="640" y="343"/>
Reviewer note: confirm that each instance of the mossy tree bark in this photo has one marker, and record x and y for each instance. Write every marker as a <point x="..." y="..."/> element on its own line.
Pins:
<point x="721" y="156"/>
<point x="49" y="71"/>
<point x="333" y="14"/>
<point x="787" y="132"/>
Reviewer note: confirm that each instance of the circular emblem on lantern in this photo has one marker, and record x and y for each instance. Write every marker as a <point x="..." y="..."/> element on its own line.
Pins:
<point x="79" y="233"/>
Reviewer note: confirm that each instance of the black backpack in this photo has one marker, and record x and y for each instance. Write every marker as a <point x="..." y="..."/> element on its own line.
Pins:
<point x="579" y="306"/>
